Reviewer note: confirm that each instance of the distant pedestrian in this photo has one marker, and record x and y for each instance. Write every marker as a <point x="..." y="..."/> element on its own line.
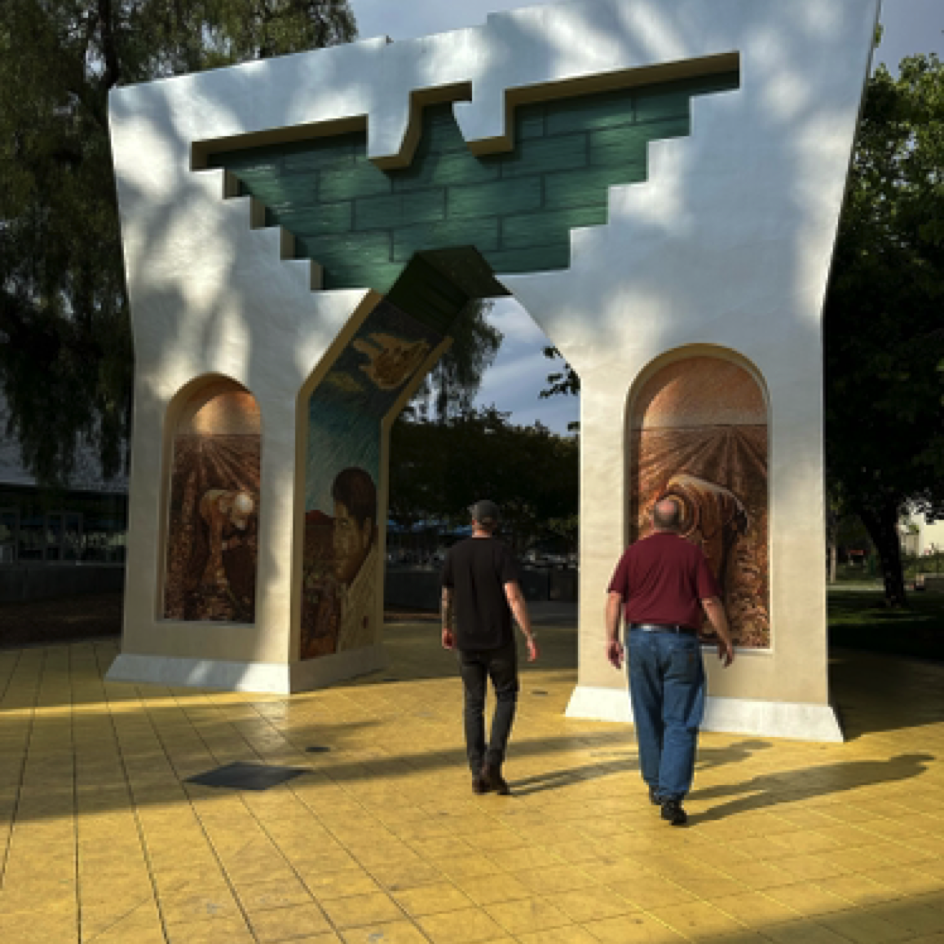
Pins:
<point x="664" y="584"/>
<point x="481" y="593"/>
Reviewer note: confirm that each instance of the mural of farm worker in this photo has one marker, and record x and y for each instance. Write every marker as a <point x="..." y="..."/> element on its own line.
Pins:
<point x="221" y="574"/>
<point x="712" y="517"/>
<point x="226" y="515"/>
<point x="355" y="556"/>
<point x="392" y="360"/>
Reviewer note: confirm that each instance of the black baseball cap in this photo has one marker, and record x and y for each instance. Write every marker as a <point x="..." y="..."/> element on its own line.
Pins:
<point x="485" y="512"/>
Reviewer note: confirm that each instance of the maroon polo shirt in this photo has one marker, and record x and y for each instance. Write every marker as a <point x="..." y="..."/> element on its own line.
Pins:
<point x="663" y="579"/>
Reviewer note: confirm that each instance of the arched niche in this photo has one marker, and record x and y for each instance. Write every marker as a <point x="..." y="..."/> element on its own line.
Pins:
<point x="698" y="435"/>
<point x="213" y="509"/>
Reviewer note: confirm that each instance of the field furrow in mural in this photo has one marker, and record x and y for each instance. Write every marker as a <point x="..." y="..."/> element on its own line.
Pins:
<point x="700" y="437"/>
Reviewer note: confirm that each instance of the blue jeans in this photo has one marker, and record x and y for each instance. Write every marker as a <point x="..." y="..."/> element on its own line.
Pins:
<point x="667" y="689"/>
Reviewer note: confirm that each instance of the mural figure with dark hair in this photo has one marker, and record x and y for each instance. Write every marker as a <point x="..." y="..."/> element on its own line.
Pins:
<point x="338" y="608"/>
<point x="355" y="556"/>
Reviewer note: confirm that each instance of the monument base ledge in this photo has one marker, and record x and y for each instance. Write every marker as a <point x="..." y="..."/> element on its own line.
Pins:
<point x="270" y="678"/>
<point x="797" y="720"/>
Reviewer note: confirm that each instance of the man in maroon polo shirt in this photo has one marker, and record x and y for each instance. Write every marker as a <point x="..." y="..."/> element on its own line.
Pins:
<point x="665" y="587"/>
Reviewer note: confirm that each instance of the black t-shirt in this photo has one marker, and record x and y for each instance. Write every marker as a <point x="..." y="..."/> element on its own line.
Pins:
<point x="477" y="570"/>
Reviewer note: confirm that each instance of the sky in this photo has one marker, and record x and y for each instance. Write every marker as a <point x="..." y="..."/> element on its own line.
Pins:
<point x="519" y="373"/>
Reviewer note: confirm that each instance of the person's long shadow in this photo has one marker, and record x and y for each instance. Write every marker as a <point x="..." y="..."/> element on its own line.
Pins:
<point x="623" y="761"/>
<point x="768" y="790"/>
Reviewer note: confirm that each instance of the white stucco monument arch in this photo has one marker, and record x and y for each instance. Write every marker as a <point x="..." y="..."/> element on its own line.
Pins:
<point x="658" y="182"/>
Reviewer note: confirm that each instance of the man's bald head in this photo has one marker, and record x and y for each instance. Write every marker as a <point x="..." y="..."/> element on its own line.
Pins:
<point x="666" y="515"/>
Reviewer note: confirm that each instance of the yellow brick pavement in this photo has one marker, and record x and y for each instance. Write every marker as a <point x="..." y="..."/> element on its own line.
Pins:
<point x="103" y="842"/>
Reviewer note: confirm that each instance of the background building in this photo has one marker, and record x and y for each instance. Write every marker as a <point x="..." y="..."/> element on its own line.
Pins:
<point x="56" y="543"/>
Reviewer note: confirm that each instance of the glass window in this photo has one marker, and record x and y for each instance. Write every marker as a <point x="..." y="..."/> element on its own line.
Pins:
<point x="54" y="536"/>
<point x="71" y="536"/>
<point x="103" y="540"/>
<point x="31" y="538"/>
<point x="80" y="526"/>
<point x="8" y="529"/>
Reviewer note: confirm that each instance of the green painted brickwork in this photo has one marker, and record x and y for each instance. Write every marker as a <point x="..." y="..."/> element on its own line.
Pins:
<point x="364" y="224"/>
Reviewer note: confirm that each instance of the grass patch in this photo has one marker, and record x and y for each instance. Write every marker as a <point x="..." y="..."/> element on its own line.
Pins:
<point x="858" y="619"/>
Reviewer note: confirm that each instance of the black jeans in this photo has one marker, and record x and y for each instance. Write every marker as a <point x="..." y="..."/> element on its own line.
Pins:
<point x="475" y="667"/>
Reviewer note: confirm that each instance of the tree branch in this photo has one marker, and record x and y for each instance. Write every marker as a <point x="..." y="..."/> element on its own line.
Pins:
<point x="112" y="73"/>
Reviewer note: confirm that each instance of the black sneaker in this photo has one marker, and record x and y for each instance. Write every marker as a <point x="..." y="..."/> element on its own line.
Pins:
<point x="494" y="780"/>
<point x="673" y="813"/>
<point x="654" y="797"/>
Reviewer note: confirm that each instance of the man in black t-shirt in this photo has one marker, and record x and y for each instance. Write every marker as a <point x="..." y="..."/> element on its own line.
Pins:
<point x="480" y="595"/>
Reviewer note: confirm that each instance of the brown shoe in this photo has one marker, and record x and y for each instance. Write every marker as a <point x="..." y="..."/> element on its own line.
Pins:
<point x="479" y="784"/>
<point x="494" y="780"/>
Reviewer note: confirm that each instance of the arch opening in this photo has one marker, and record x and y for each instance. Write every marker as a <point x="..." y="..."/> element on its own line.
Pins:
<point x="350" y="413"/>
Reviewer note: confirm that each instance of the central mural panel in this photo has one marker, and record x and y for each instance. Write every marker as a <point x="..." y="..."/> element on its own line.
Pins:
<point x="699" y="437"/>
<point x="341" y="567"/>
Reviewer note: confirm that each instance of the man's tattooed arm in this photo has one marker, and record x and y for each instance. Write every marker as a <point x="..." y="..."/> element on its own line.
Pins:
<point x="448" y="608"/>
<point x="448" y="613"/>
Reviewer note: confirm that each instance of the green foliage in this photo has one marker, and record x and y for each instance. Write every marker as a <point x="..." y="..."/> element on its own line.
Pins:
<point x="451" y="386"/>
<point x="564" y="382"/>
<point x="66" y="358"/>
<point x="438" y="469"/>
<point x="884" y="338"/>
<point x="859" y="620"/>
<point x="924" y="565"/>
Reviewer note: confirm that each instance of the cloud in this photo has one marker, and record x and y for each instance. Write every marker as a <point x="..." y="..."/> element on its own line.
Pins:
<point x="516" y="324"/>
<point x="514" y="382"/>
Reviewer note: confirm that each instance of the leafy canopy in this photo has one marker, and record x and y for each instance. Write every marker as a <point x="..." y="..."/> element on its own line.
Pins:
<point x="66" y="358"/>
<point x="439" y="469"/>
<point x="884" y="319"/>
<point x="884" y="315"/>
<point x="451" y="386"/>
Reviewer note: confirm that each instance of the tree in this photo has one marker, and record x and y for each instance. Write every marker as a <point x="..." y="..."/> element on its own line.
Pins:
<point x="417" y="472"/>
<point x="883" y="332"/>
<point x="563" y="382"/>
<point x="453" y="383"/>
<point x="66" y="358"/>
<point x="438" y="469"/>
